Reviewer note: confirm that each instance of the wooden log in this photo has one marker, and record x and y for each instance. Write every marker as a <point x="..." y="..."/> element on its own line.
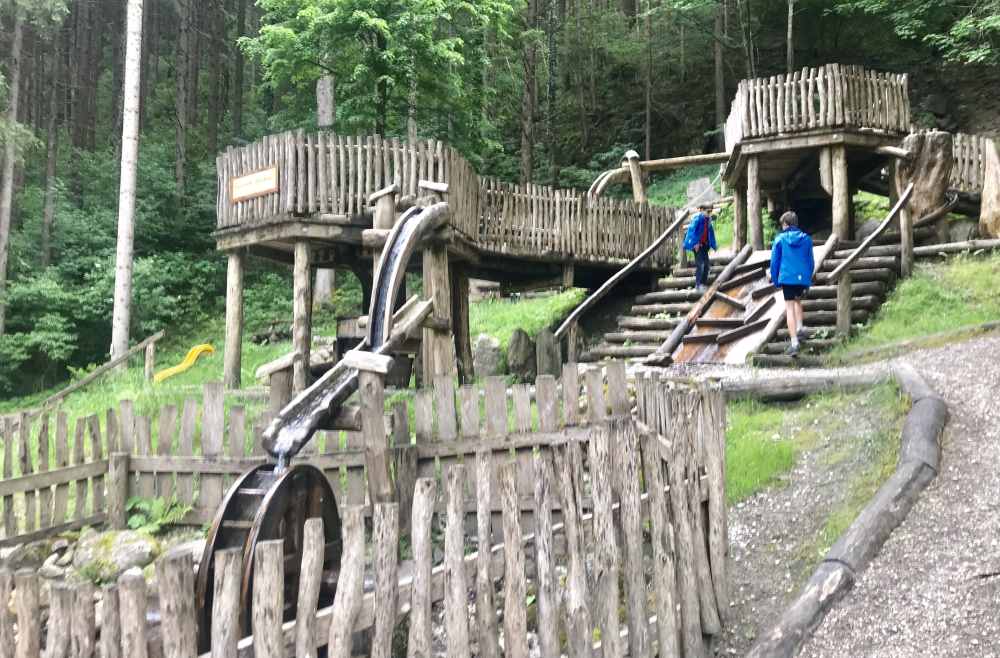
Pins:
<point x="132" y="609"/>
<point x="419" y="644"/>
<point x="930" y="171"/>
<point x="579" y="627"/>
<point x="863" y="248"/>
<point x="84" y="623"/>
<point x="486" y="615"/>
<point x="310" y="575"/>
<point x="713" y="433"/>
<point x="841" y="193"/>
<point x="213" y="429"/>
<point x="605" y="569"/>
<point x="635" y="174"/>
<point x="456" y="588"/>
<point x="225" y="631"/>
<point x="754" y="219"/>
<point x="175" y="579"/>
<point x="515" y="627"/>
<point x="232" y="368"/>
<point x="268" y="602"/>
<point x="347" y="603"/>
<point x="385" y="537"/>
<point x="7" y="615"/>
<point x="844" y="300"/>
<point x="111" y="623"/>
<point x="662" y="539"/>
<point x="58" y="639"/>
<point x="117" y="490"/>
<point x="623" y="435"/>
<point x="372" y="396"/>
<point x="302" y="315"/>
<point x="548" y="622"/>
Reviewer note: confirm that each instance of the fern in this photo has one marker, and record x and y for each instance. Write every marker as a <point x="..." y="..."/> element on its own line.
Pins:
<point x="153" y="515"/>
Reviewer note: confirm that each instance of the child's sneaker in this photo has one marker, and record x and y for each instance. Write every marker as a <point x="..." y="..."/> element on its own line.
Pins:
<point x="802" y="333"/>
<point x="792" y="350"/>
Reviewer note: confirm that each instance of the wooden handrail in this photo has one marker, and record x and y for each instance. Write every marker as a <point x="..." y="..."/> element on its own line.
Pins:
<point x="618" y="276"/>
<point x="72" y="388"/>
<point x="863" y="247"/>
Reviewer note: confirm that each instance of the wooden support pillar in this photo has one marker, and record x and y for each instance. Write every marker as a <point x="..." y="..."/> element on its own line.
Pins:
<point x="150" y="361"/>
<point x="739" y="217"/>
<point x="844" y="305"/>
<point x="460" y="319"/>
<point x="233" y="358"/>
<point x="572" y="343"/>
<point x="437" y="350"/>
<point x="826" y="170"/>
<point x="371" y="392"/>
<point x="635" y="173"/>
<point x="754" y="220"/>
<point x="841" y="193"/>
<point x="905" y="241"/>
<point x="280" y="390"/>
<point x="569" y="276"/>
<point x="302" y="316"/>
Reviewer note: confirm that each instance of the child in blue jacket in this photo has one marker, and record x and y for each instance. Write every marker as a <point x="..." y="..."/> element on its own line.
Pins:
<point x="792" y="270"/>
<point x="700" y="238"/>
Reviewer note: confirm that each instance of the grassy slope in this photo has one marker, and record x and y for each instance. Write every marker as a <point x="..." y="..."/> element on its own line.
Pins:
<point x="671" y="190"/>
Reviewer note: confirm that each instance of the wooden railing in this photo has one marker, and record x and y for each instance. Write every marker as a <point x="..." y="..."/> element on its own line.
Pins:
<point x="327" y="177"/>
<point x="968" y="171"/>
<point x="831" y="96"/>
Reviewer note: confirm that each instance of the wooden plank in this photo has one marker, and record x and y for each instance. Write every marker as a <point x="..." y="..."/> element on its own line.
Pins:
<point x="310" y="574"/>
<point x="7" y="616"/>
<point x="212" y="436"/>
<point x="731" y="301"/>
<point x="759" y="310"/>
<point x="486" y="616"/>
<point x="548" y="608"/>
<point x="626" y="441"/>
<point x="268" y="599"/>
<point x="545" y="394"/>
<point x="521" y="394"/>
<point x="30" y="516"/>
<point x="185" y="448"/>
<point x="596" y="405"/>
<point x="175" y="581"/>
<point x="385" y="537"/>
<point x="747" y="329"/>
<point x="419" y="640"/>
<point x="515" y="589"/>
<point x="713" y="433"/>
<point x="372" y="395"/>
<point x="579" y="625"/>
<point x="618" y="389"/>
<point x="225" y="631"/>
<point x="571" y="394"/>
<point x="44" y="493"/>
<point x="456" y="590"/>
<point x="468" y="397"/>
<point x="144" y="447"/>
<point x="52" y="478"/>
<point x="605" y="564"/>
<point x="662" y="539"/>
<point x="347" y="603"/>
<point x="27" y="604"/>
<point x="9" y="517"/>
<point x="61" y="498"/>
<point x="58" y="642"/>
<point x="83" y="631"/>
<point x="496" y="407"/>
<point x="110" y="623"/>
<point x="701" y="339"/>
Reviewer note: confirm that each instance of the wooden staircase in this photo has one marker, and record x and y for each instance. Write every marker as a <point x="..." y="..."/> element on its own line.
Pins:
<point x="743" y="307"/>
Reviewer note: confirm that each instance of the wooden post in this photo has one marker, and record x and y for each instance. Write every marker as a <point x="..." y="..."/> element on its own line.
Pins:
<point x="568" y="276"/>
<point x="234" y="322"/>
<point x="132" y="608"/>
<point x="150" y="361"/>
<point x="26" y="602"/>
<point x="572" y="343"/>
<point x="437" y="356"/>
<point x="302" y="316"/>
<point x="111" y="623"/>
<point x="841" y="194"/>
<point x="754" y="220"/>
<point x="905" y="241"/>
<point x="460" y="315"/>
<point x="635" y="172"/>
<point x="309" y="581"/>
<point x="280" y="390"/>
<point x="844" y="305"/>
<point x="175" y="576"/>
<point x="225" y="631"/>
<point x="385" y="207"/>
<point x="268" y="599"/>
<point x="371" y="392"/>
<point x="739" y="217"/>
<point x="350" y="587"/>
<point x="117" y="490"/>
<point x="826" y="170"/>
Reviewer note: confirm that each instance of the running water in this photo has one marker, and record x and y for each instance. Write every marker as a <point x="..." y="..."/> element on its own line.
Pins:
<point x="282" y="463"/>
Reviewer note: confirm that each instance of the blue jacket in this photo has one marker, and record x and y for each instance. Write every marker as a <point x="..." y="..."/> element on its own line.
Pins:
<point x="693" y="235"/>
<point x="792" y="258"/>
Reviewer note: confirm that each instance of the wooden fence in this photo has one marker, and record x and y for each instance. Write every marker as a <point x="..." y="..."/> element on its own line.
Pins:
<point x="329" y="177"/>
<point x="968" y="171"/>
<point x="831" y="96"/>
<point x="615" y="534"/>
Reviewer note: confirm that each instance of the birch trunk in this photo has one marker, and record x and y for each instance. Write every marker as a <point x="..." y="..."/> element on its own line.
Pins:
<point x="9" y="157"/>
<point x="126" y="192"/>
<point x="790" y="64"/>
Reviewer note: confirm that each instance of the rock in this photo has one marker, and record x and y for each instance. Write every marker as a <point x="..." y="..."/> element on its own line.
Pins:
<point x="961" y="230"/>
<point x="51" y="569"/>
<point x="29" y="556"/>
<point x="102" y="557"/>
<point x="487" y="358"/>
<point x="60" y="545"/>
<point x="549" y="354"/>
<point x="937" y="104"/>
<point x="195" y="548"/>
<point x="521" y="356"/>
<point x="66" y="559"/>
<point x="701" y="191"/>
<point x="867" y="229"/>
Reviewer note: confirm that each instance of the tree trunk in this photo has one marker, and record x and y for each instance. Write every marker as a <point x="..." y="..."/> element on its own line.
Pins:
<point x="117" y="59"/>
<point x="528" y="99"/>
<point x="989" y="218"/>
<point x="195" y="21"/>
<point x="238" y="69"/>
<point x="9" y="157"/>
<point x="720" y="76"/>
<point x="326" y="110"/>
<point x="126" y="192"/>
<point x="790" y="64"/>
<point x="411" y="114"/>
<point x="216" y="37"/>
<point x="52" y="156"/>
<point x="929" y="169"/>
<point x="553" y="48"/>
<point x="649" y="85"/>
<point x="181" y="71"/>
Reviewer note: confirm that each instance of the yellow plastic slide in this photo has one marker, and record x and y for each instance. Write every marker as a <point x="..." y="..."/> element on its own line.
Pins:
<point x="184" y="365"/>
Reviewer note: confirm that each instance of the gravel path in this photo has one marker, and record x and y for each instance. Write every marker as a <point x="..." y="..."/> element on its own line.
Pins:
<point x="934" y="589"/>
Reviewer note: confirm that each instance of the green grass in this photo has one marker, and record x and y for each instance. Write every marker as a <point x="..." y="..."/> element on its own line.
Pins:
<point x="500" y="317"/>
<point x="944" y="296"/>
<point x="671" y="189"/>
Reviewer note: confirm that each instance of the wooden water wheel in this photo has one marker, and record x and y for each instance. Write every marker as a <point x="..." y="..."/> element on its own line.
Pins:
<point x="264" y="504"/>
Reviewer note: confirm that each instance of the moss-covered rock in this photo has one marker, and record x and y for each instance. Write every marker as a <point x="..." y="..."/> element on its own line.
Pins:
<point x="102" y="557"/>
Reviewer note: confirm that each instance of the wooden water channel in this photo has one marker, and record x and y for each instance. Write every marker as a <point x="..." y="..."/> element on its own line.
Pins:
<point x="575" y="510"/>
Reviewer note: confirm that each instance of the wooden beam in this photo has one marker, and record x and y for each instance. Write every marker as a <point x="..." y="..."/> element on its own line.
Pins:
<point x="635" y="174"/>
<point x="894" y="152"/>
<point x="233" y="357"/>
<point x="625" y="173"/>
<point x="368" y="362"/>
<point x="302" y="316"/>
<point x="841" y="193"/>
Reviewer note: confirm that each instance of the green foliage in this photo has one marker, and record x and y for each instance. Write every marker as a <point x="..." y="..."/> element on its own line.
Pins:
<point x="500" y="317"/>
<point x="154" y="515"/>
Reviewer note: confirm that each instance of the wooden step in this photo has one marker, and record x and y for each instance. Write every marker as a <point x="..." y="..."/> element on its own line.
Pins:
<point x="719" y="323"/>
<point x="689" y="271"/>
<point x="680" y="283"/>
<point x="745" y="330"/>
<point x="646" y="324"/>
<point x="882" y="274"/>
<point x="863" y="263"/>
<point x="782" y="361"/>
<point x="812" y="334"/>
<point x="742" y="280"/>
<point x="829" y="318"/>
<point x="760" y="293"/>
<point x="698" y="339"/>
<point x="669" y="296"/>
<point x="732" y="301"/>
<point x="760" y="309"/>
<point x="876" y="288"/>
<point x="656" y="309"/>
<point x="640" y="337"/>
<point x="760" y="266"/>
<point x="807" y="345"/>
<point x="619" y="352"/>
<point x="867" y="302"/>
<point x="875" y="250"/>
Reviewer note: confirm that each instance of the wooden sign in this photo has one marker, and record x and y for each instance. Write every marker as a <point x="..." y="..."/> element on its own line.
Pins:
<point x="253" y="185"/>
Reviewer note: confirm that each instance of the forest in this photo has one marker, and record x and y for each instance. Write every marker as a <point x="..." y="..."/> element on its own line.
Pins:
<point x="548" y="91"/>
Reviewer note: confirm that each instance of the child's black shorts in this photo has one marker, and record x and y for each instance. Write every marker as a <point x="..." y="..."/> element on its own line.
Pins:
<point x="793" y="292"/>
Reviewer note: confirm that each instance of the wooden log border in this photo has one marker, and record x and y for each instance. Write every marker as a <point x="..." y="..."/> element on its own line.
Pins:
<point x="919" y="459"/>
